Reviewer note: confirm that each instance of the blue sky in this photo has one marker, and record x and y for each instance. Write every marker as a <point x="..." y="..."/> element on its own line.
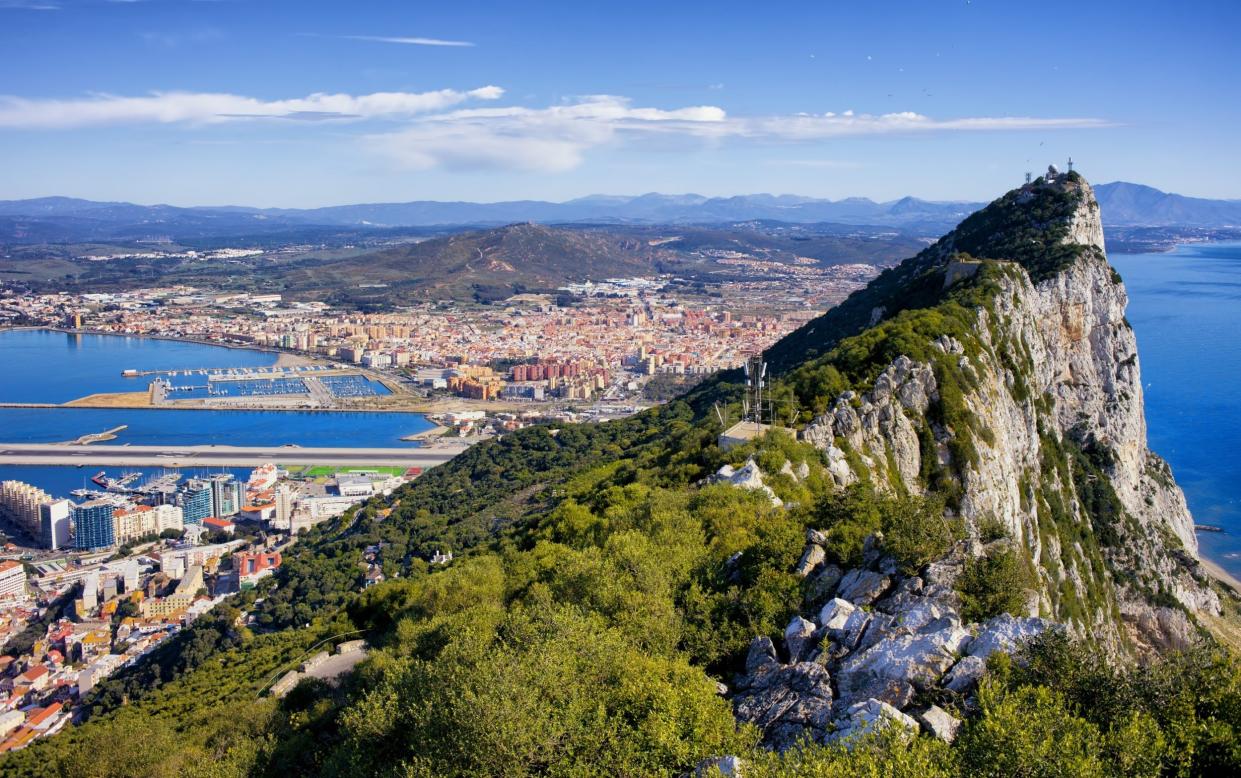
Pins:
<point x="276" y="103"/>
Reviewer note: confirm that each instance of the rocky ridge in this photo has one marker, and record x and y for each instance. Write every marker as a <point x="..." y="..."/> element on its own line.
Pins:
<point x="1053" y="396"/>
<point x="1027" y="418"/>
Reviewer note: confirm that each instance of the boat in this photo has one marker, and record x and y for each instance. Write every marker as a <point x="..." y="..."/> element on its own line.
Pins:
<point x="101" y="478"/>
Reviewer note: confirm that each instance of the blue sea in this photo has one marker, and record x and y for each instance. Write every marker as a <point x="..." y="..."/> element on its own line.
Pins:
<point x="42" y="366"/>
<point x="1186" y="309"/>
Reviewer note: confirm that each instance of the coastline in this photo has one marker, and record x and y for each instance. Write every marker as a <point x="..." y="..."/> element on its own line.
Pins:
<point x="292" y="358"/>
<point x="1216" y="571"/>
<point x="96" y="405"/>
<point x="132" y="400"/>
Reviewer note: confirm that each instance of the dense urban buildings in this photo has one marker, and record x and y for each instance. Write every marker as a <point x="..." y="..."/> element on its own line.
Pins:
<point x="596" y="341"/>
<point x="122" y="604"/>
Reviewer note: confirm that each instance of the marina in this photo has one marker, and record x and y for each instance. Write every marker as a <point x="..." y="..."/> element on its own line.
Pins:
<point x="309" y="386"/>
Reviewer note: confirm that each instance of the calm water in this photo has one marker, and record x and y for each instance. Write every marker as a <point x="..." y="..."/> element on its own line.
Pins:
<point x="236" y="428"/>
<point x="55" y="367"/>
<point x="1186" y="309"/>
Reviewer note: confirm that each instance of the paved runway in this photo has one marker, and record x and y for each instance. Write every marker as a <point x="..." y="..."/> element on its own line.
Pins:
<point x="197" y="456"/>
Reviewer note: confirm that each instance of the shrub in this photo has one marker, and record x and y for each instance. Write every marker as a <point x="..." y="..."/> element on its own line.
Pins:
<point x="993" y="584"/>
<point x="916" y="531"/>
<point x="991" y="529"/>
<point x="1028" y="732"/>
<point x="848" y="516"/>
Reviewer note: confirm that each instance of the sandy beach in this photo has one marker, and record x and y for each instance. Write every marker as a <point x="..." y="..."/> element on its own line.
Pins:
<point x="1221" y="575"/>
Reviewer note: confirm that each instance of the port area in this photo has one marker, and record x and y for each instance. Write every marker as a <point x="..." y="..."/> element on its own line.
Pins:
<point x="288" y="385"/>
<point x="113" y="400"/>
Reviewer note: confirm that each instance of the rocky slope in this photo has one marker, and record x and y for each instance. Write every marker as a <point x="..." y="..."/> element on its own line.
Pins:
<point x="1053" y="393"/>
<point x="1014" y="392"/>
<point x="880" y="646"/>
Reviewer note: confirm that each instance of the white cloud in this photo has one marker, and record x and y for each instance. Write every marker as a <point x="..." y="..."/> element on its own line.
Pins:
<point x="409" y="41"/>
<point x="28" y="5"/>
<point x="551" y="139"/>
<point x="211" y="108"/>
<point x="439" y="129"/>
<point x="832" y="125"/>
<point x="558" y="138"/>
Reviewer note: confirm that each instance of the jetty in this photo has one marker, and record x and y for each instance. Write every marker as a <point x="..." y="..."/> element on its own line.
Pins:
<point x="99" y="437"/>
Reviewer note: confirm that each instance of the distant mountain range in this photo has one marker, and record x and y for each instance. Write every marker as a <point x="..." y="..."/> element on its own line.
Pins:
<point x="63" y="219"/>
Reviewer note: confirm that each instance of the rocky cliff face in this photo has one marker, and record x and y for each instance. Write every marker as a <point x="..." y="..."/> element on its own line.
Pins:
<point x="1055" y="445"/>
<point x="1011" y="388"/>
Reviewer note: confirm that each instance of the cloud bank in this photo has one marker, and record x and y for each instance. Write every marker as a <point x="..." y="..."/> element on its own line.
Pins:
<point x="213" y="108"/>
<point x="440" y="129"/>
<point x="557" y="138"/>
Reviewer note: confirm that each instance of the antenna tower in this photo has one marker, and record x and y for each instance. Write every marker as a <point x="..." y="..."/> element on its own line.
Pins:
<point x="756" y="379"/>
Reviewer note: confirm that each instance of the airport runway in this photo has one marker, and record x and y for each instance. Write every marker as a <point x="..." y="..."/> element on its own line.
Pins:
<point x="200" y="456"/>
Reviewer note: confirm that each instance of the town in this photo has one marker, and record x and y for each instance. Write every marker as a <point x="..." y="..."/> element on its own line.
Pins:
<point x="618" y="341"/>
<point x="95" y="585"/>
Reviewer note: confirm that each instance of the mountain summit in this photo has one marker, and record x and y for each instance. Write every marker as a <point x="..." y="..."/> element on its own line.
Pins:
<point x="997" y="367"/>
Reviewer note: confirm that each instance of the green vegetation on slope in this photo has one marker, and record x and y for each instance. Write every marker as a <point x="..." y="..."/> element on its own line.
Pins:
<point x="1025" y="228"/>
<point x="585" y="640"/>
<point x="601" y="586"/>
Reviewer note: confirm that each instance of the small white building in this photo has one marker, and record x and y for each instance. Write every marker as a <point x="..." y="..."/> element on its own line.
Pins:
<point x="12" y="580"/>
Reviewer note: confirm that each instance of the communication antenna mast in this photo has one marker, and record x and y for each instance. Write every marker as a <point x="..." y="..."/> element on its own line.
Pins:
<point x="1029" y="176"/>
<point x="1070" y="164"/>
<point x="756" y="375"/>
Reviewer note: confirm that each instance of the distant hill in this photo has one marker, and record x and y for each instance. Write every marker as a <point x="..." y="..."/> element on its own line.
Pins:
<point x="64" y="219"/>
<point x="653" y="208"/>
<point x="484" y="264"/>
<point x="1126" y="204"/>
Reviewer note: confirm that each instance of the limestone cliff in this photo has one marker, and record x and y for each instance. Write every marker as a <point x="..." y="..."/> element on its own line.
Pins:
<point x="1030" y="414"/>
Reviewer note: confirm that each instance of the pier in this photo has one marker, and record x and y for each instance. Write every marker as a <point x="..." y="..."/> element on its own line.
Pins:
<point x="100" y="437"/>
<point x="240" y="373"/>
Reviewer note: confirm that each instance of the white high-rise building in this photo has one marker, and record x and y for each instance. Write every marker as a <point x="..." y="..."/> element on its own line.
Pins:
<point x="55" y="524"/>
<point x="225" y="496"/>
<point x="19" y="503"/>
<point x="285" y="499"/>
<point x="169" y="517"/>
